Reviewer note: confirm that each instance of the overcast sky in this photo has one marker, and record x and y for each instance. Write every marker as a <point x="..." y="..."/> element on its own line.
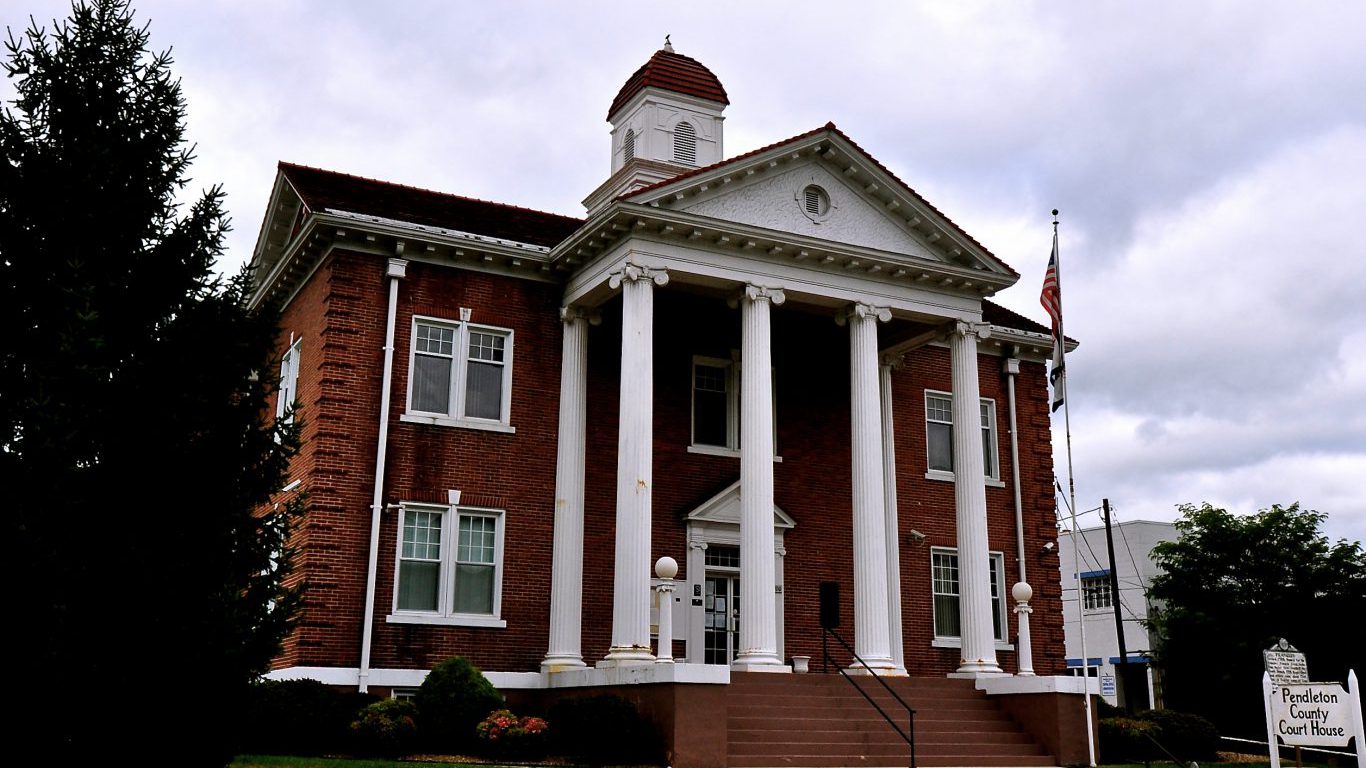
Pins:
<point x="1209" y="159"/>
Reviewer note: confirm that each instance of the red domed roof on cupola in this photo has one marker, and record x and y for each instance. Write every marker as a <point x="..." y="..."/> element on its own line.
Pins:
<point x="671" y="71"/>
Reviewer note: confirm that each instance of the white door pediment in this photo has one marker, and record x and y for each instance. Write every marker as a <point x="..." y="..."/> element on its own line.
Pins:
<point x="724" y="507"/>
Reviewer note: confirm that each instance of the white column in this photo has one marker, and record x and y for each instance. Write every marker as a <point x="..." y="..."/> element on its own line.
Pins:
<point x="758" y="631"/>
<point x="1025" y="653"/>
<point x="635" y="443"/>
<point x="566" y="569"/>
<point x="974" y="569"/>
<point x="890" y="363"/>
<point x="872" y="639"/>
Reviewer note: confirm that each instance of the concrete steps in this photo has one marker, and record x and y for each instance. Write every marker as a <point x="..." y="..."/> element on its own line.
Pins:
<point x="821" y="721"/>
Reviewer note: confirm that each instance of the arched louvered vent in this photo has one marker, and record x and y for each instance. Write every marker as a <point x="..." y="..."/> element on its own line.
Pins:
<point x="630" y="144"/>
<point x="685" y="143"/>
<point x="815" y="202"/>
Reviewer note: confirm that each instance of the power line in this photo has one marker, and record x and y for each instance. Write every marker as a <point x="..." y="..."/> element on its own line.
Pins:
<point x="1096" y="563"/>
<point x="1132" y="560"/>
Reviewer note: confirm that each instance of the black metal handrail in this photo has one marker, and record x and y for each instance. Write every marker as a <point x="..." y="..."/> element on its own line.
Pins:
<point x="909" y="735"/>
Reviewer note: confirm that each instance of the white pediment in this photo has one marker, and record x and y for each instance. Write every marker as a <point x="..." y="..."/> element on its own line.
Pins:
<point x="724" y="507"/>
<point x="777" y="201"/>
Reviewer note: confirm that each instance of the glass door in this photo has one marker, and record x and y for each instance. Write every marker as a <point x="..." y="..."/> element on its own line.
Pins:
<point x="722" y="618"/>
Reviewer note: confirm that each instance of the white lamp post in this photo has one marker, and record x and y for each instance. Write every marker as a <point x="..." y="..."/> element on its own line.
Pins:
<point x="666" y="568"/>
<point x="1022" y="592"/>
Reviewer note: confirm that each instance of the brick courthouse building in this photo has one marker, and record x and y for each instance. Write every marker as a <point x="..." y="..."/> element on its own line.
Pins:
<point x="779" y="369"/>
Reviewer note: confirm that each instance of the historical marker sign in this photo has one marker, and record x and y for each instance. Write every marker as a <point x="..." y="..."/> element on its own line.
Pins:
<point x="1284" y="664"/>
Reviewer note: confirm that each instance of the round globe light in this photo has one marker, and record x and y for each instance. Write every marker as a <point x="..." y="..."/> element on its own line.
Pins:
<point x="666" y="567"/>
<point x="1021" y="592"/>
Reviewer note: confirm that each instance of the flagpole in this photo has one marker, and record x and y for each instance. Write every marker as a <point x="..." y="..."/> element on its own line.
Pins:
<point x="1072" y="500"/>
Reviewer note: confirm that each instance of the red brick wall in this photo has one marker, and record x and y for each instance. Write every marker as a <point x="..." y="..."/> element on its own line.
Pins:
<point x="340" y="313"/>
<point x="511" y="472"/>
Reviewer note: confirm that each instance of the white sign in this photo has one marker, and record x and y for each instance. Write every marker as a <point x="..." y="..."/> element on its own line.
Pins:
<point x="1311" y="714"/>
<point x="1107" y="685"/>
<point x="1303" y="714"/>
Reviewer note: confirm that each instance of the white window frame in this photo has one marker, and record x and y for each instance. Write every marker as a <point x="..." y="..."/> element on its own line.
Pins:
<point x="732" y="446"/>
<point x="732" y="369"/>
<point x="998" y="600"/>
<point x="1095" y="592"/>
<point x="288" y="393"/>
<point x="450" y="527"/>
<point x="460" y="371"/>
<point x="990" y="440"/>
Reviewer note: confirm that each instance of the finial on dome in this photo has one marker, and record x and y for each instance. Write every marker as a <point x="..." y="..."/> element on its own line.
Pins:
<point x="668" y="46"/>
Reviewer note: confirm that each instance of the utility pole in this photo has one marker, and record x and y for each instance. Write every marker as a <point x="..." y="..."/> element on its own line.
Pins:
<point x="1123" y="669"/>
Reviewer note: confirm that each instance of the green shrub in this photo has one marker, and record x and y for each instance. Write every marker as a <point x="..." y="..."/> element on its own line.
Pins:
<point x="1186" y="736"/>
<point x="1128" y="739"/>
<point x="451" y="702"/>
<point x="604" y="730"/>
<point x="505" y="735"/>
<point x="385" y="729"/>
<point x="1189" y="737"/>
<point x="298" y="717"/>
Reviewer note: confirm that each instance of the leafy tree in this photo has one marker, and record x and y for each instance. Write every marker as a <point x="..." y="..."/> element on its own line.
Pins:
<point x="1230" y="586"/>
<point x="138" y="458"/>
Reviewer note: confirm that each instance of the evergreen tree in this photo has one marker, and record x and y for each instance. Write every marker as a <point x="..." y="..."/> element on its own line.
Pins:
<point x="1231" y="586"/>
<point x="140" y="463"/>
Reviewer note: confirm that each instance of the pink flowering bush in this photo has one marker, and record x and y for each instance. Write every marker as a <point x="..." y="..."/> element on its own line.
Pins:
<point x="504" y="734"/>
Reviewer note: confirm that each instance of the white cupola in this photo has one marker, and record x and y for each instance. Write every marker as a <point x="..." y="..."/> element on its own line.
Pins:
<point x="666" y="120"/>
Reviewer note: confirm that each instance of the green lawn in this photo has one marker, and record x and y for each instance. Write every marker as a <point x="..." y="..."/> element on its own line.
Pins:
<point x="279" y="761"/>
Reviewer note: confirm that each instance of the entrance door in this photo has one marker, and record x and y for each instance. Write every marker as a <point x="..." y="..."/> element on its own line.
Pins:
<point x="722" y="622"/>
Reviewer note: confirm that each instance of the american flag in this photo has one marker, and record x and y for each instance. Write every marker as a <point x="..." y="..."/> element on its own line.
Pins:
<point x="1051" y="299"/>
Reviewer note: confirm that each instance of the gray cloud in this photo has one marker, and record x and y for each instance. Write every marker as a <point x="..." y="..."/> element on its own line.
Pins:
<point x="1207" y="158"/>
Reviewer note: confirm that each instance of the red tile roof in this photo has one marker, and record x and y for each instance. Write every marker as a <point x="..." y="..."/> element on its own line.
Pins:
<point x="723" y="163"/>
<point x="832" y="129"/>
<point x="998" y="315"/>
<point x="675" y="72"/>
<point x="322" y="189"/>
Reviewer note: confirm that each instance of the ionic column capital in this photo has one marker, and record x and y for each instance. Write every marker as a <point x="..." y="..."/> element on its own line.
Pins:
<point x="894" y="362"/>
<point x="572" y="314"/>
<point x="965" y="328"/>
<point x="701" y="545"/>
<point x="864" y="311"/>
<point x="754" y="293"/>
<point x="634" y="272"/>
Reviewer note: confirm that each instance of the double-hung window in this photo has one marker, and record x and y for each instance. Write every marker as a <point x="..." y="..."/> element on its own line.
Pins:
<point x="449" y="566"/>
<point x="289" y="383"/>
<point x="944" y="588"/>
<point x="716" y="407"/>
<point x="460" y="374"/>
<point x="1095" y="591"/>
<point x="715" y="403"/>
<point x="939" y="436"/>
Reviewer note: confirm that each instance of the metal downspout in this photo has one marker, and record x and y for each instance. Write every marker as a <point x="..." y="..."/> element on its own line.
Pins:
<point x="397" y="269"/>
<point x="1012" y="369"/>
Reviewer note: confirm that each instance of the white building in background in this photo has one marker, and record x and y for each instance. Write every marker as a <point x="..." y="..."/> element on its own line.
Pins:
<point x="1134" y="541"/>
